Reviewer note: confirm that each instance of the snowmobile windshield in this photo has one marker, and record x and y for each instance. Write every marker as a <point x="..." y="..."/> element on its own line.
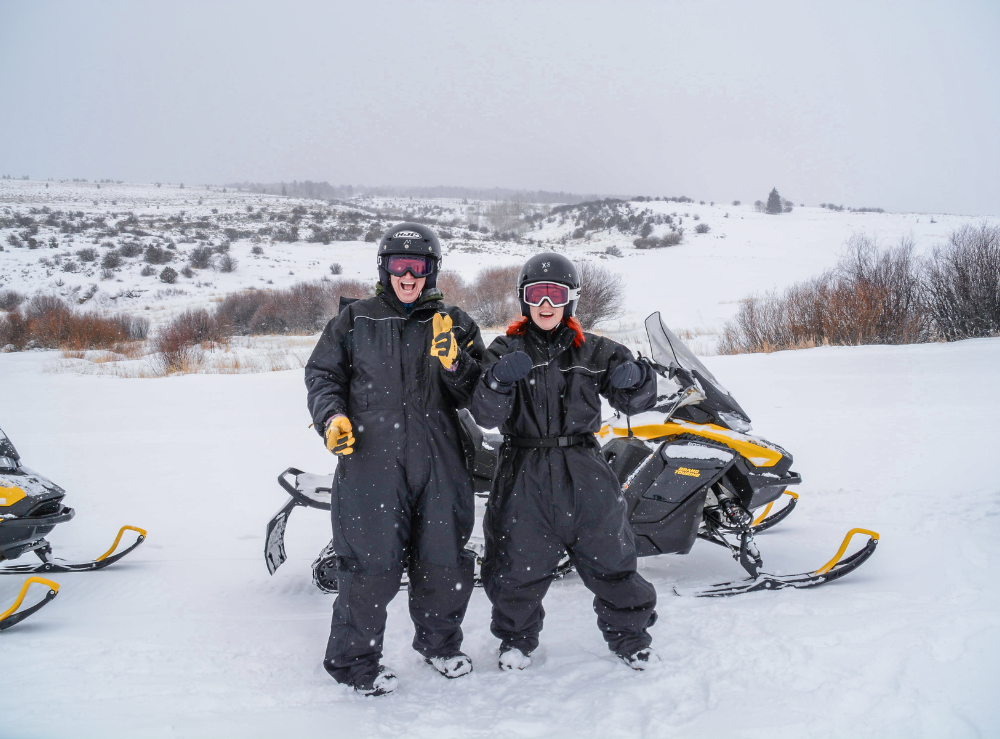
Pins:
<point x="667" y="349"/>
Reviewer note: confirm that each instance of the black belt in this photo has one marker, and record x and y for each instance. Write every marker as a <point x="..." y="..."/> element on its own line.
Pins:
<point x="548" y="441"/>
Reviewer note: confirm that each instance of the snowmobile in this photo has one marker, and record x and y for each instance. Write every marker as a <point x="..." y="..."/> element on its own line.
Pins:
<point x="30" y="508"/>
<point x="689" y="469"/>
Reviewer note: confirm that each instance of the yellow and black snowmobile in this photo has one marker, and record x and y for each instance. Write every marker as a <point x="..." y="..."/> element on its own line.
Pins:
<point x="30" y="507"/>
<point x="689" y="470"/>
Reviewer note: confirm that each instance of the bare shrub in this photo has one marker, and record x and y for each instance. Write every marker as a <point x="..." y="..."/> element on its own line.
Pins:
<point x="673" y="238"/>
<point x="872" y="297"/>
<point x="168" y="275"/>
<point x="492" y="298"/>
<point x="702" y="228"/>
<point x="87" y="255"/>
<point x="111" y="259"/>
<point x="455" y="289"/>
<point x="962" y="284"/>
<point x="10" y="299"/>
<point x="257" y="250"/>
<point x="13" y="331"/>
<point x="48" y="322"/>
<point x="302" y="308"/>
<point x="336" y="269"/>
<point x="200" y="257"/>
<point x="157" y="255"/>
<point x="131" y="249"/>
<point x="228" y="263"/>
<point x="602" y="295"/>
<point x="147" y="271"/>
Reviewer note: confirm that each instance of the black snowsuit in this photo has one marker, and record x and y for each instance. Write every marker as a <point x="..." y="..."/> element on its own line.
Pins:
<point x="546" y="501"/>
<point x="404" y="498"/>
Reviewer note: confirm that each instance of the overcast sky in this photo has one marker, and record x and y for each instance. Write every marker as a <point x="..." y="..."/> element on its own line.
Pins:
<point x="894" y="105"/>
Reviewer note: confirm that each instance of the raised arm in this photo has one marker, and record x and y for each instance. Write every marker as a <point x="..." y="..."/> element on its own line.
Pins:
<point x="328" y="371"/>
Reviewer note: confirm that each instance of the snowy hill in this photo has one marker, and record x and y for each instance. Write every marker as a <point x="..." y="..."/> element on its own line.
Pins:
<point x="697" y="283"/>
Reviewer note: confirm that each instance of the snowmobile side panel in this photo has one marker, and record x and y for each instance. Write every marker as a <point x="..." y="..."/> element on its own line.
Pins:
<point x="676" y="532"/>
<point x="481" y="450"/>
<point x="11" y="616"/>
<point x="624" y="456"/>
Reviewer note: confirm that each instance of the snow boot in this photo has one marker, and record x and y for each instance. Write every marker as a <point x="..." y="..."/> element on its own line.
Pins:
<point x="644" y="659"/>
<point x="451" y="667"/>
<point x="512" y="658"/>
<point x="382" y="682"/>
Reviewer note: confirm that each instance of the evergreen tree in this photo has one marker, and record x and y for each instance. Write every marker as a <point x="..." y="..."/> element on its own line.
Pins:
<point x="774" y="202"/>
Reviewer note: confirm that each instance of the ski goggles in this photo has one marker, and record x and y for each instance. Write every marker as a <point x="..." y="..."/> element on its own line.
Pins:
<point x="557" y="294"/>
<point x="400" y="264"/>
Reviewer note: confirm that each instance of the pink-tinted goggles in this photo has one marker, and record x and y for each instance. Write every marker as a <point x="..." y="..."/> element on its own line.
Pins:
<point x="400" y="264"/>
<point x="557" y="294"/>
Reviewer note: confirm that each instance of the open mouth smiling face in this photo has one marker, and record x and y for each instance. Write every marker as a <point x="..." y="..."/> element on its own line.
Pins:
<point x="408" y="287"/>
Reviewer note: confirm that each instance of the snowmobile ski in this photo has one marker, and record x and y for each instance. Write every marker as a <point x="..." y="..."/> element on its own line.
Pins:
<point x="764" y="521"/>
<point x="43" y="551"/>
<point x="12" y="616"/>
<point x="832" y="570"/>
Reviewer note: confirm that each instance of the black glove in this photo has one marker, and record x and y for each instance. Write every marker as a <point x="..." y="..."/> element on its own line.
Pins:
<point x="511" y="367"/>
<point x="627" y="375"/>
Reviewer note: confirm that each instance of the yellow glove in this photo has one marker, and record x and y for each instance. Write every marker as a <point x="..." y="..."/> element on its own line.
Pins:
<point x="340" y="436"/>
<point x="443" y="346"/>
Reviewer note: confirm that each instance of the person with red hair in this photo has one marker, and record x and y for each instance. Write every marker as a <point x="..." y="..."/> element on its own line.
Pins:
<point x="553" y="492"/>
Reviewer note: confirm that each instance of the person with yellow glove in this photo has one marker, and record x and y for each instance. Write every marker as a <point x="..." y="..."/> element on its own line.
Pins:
<point x="384" y="384"/>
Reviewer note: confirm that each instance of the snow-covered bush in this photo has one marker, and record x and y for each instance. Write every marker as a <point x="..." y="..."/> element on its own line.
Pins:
<point x="10" y="299"/>
<point x="227" y="263"/>
<point x="168" y="275"/>
<point x="702" y="228"/>
<point x="962" y="284"/>
<point x="200" y="257"/>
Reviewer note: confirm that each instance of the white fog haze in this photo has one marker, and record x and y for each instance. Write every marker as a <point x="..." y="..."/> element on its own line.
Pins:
<point x="866" y="104"/>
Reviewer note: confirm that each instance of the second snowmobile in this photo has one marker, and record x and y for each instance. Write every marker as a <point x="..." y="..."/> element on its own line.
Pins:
<point x="31" y="506"/>
<point x="689" y="469"/>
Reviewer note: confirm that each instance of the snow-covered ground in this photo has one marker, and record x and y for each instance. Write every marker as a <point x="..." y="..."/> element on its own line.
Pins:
<point x="190" y="637"/>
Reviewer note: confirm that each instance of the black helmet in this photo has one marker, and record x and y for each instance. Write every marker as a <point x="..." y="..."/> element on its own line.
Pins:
<point x="549" y="267"/>
<point x="409" y="238"/>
